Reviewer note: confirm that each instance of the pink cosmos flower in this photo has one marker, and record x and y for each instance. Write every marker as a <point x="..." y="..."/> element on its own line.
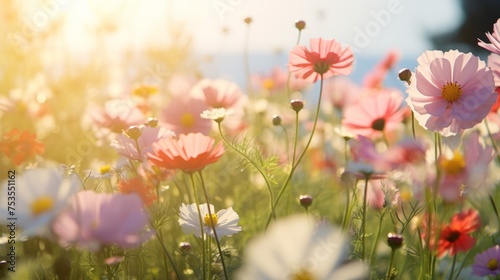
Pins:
<point x="375" y="78"/>
<point x="487" y="262"/>
<point x="118" y="115"/>
<point x="97" y="219"/>
<point x="189" y="153"/>
<point x="450" y="91"/>
<point x="325" y="59"/>
<point x="494" y="38"/>
<point x="465" y="172"/>
<point x="276" y="81"/>
<point x="341" y="92"/>
<point x="182" y="116"/>
<point x="129" y="148"/>
<point x="381" y="194"/>
<point x="218" y="93"/>
<point x="374" y="114"/>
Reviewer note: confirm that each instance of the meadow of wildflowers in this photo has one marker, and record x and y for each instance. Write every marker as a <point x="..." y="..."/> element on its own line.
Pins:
<point x="185" y="177"/>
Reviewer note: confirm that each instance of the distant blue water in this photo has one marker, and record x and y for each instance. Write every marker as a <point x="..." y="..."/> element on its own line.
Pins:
<point x="231" y="67"/>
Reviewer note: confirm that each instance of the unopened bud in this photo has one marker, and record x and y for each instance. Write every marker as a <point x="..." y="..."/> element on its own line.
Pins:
<point x="133" y="132"/>
<point x="151" y="122"/>
<point x="276" y="120"/>
<point x="300" y="24"/>
<point x="297" y="105"/>
<point x="248" y="20"/>
<point x="185" y="247"/>
<point x="305" y="200"/>
<point x="405" y="75"/>
<point x="395" y="241"/>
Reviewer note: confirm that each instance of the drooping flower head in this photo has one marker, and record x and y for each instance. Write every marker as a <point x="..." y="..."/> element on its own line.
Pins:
<point x="225" y="221"/>
<point x="325" y="59"/>
<point x="189" y="153"/>
<point x="97" y="219"/>
<point x="450" y="91"/>
<point x="41" y="195"/>
<point x="487" y="262"/>
<point x="455" y="237"/>
<point x="494" y="38"/>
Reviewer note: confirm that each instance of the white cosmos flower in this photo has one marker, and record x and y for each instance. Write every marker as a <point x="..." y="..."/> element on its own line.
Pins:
<point x="225" y="220"/>
<point x="217" y="114"/>
<point x="40" y="195"/>
<point x="298" y="247"/>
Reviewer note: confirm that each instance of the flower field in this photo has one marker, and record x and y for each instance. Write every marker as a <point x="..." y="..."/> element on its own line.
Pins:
<point x="299" y="174"/>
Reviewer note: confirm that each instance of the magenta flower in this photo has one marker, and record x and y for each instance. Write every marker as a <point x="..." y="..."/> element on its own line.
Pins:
<point x="451" y="91"/>
<point x="494" y="38"/>
<point x="97" y="219"/>
<point x="325" y="59"/>
<point x="487" y="262"/>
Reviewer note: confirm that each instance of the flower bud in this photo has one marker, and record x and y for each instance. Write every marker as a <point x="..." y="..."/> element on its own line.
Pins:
<point x="395" y="241"/>
<point x="248" y="20"/>
<point x="151" y="122"/>
<point x="305" y="200"/>
<point x="297" y="105"/>
<point x="133" y="132"/>
<point x="185" y="247"/>
<point x="405" y="75"/>
<point x="300" y="24"/>
<point x="276" y="120"/>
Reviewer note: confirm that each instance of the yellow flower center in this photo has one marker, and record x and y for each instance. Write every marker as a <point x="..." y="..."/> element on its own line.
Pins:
<point x="302" y="275"/>
<point x="105" y="169"/>
<point x="41" y="205"/>
<point x="454" y="165"/>
<point x="187" y="120"/>
<point x="321" y="67"/>
<point x="492" y="264"/>
<point x="209" y="221"/>
<point x="144" y="91"/>
<point x="451" y="91"/>
<point x="268" y="84"/>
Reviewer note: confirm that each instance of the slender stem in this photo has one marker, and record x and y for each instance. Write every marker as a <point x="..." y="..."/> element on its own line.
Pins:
<point x="259" y="169"/>
<point x="160" y="239"/>
<point x="296" y="139"/>
<point x="413" y="125"/>
<point x="494" y="208"/>
<point x="391" y="264"/>
<point x="197" y="202"/>
<point x="295" y="165"/>
<point x="287" y="141"/>
<point x="453" y="266"/>
<point x="246" y="60"/>
<point x="374" y="248"/>
<point x="493" y="142"/>
<point x="363" y="221"/>
<point x="289" y="94"/>
<point x="212" y="224"/>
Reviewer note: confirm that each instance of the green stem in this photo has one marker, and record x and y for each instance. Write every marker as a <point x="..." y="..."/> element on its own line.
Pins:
<point x="413" y="125"/>
<point x="363" y="221"/>
<point x="391" y="264"/>
<point x="197" y="202"/>
<point x="453" y="266"/>
<point x="296" y="139"/>
<point x="493" y="142"/>
<point x="295" y="165"/>
<point x="289" y="94"/>
<point x="212" y="224"/>
<point x="374" y="248"/>
<point x="494" y="208"/>
<point x="259" y="169"/>
<point x="160" y="239"/>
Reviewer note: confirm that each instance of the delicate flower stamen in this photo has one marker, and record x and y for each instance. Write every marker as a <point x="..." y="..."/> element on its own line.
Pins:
<point x="451" y="91"/>
<point x="105" y="169"/>
<point x="187" y="120"/>
<point x="454" y="165"/>
<point x="492" y="264"/>
<point x="211" y="219"/>
<point x="41" y="205"/>
<point x="302" y="275"/>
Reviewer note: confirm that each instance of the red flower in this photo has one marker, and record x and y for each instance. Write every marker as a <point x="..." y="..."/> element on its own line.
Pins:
<point x="137" y="185"/>
<point x="326" y="59"/>
<point x="21" y="146"/>
<point x="189" y="153"/>
<point x="455" y="236"/>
